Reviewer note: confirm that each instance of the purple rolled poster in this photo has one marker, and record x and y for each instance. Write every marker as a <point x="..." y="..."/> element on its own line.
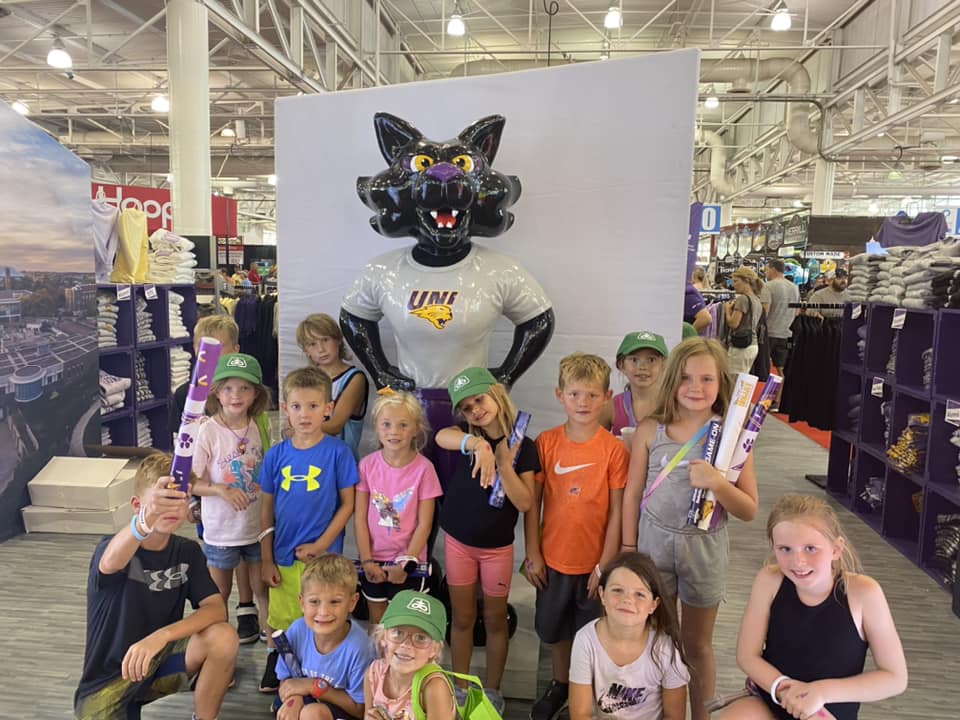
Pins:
<point x="203" y="369"/>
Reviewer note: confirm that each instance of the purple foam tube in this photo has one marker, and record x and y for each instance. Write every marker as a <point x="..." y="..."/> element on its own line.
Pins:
<point x="203" y="369"/>
<point x="497" y="494"/>
<point x="285" y="649"/>
<point x="710" y="447"/>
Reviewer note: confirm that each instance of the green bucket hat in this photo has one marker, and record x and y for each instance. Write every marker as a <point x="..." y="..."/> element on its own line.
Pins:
<point x="470" y="382"/>
<point x="642" y="340"/>
<point x="688" y="331"/>
<point x="239" y="365"/>
<point x="418" y="610"/>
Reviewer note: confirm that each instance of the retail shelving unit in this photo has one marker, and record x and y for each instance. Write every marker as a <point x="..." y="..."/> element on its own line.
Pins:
<point x="911" y="501"/>
<point x="122" y="360"/>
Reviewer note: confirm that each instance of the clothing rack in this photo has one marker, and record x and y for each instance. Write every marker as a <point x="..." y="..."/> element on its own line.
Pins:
<point x="816" y="306"/>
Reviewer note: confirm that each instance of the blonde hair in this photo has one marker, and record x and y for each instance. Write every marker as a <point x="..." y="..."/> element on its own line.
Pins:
<point x="260" y="404"/>
<point x="318" y="325"/>
<point x="308" y="378"/>
<point x="506" y="411"/>
<point x="379" y="635"/>
<point x="408" y="402"/>
<point x="152" y="468"/>
<point x="668" y="409"/>
<point x="749" y="277"/>
<point x="220" y="327"/>
<point x="584" y="367"/>
<point x="816" y="513"/>
<point x="331" y="570"/>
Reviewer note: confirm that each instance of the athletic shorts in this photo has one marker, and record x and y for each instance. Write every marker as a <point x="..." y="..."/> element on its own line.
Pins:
<point x="227" y="558"/>
<point x="779" y="351"/>
<point x="383" y="592"/>
<point x="121" y="699"/>
<point x="693" y="565"/>
<point x="285" y="599"/>
<point x="492" y="567"/>
<point x="563" y="607"/>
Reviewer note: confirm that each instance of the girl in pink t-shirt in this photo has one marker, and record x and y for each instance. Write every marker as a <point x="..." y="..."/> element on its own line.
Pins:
<point x="395" y="502"/>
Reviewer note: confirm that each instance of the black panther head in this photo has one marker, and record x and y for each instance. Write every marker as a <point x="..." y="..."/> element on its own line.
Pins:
<point x="440" y="193"/>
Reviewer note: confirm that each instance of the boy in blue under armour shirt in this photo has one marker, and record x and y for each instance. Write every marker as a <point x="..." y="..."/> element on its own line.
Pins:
<point x="307" y="484"/>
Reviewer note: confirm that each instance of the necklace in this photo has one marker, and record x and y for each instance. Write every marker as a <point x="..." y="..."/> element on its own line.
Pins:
<point x="242" y="440"/>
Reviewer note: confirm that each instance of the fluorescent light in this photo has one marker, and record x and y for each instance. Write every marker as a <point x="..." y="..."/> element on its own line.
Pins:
<point x="777" y="211"/>
<point x="58" y="57"/>
<point x="781" y="20"/>
<point x="227" y="190"/>
<point x="712" y="101"/>
<point x="160" y="104"/>
<point x="946" y="159"/>
<point x="798" y="203"/>
<point x="873" y="209"/>
<point x="169" y="177"/>
<point x="613" y="19"/>
<point x="21" y="107"/>
<point x="271" y="179"/>
<point x="228" y="132"/>
<point x="742" y="221"/>
<point x="456" y="26"/>
<point x="895" y="174"/>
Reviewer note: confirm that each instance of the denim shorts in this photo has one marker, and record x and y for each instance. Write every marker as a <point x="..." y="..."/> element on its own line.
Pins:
<point x="227" y="558"/>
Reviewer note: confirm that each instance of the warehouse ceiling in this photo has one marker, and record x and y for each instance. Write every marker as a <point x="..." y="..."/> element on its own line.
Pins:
<point x="888" y="123"/>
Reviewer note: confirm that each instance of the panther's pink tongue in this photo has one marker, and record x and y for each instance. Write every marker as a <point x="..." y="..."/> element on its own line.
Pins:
<point x="445" y="219"/>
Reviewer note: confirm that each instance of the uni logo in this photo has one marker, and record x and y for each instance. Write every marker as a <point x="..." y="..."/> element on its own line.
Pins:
<point x="461" y="382"/>
<point x="236" y="361"/>
<point x="419" y="605"/>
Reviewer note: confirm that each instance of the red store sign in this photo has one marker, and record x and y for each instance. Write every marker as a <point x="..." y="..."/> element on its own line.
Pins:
<point x="159" y="210"/>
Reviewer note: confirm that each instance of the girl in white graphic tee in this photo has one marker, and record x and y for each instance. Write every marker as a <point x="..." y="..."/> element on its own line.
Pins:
<point x="630" y="661"/>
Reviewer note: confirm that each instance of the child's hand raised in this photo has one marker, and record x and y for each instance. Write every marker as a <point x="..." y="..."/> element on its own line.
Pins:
<point x="484" y="463"/>
<point x="164" y="499"/>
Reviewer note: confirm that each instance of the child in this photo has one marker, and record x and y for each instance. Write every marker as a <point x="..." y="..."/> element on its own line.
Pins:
<point x="333" y="652"/>
<point x="318" y="335"/>
<point x="630" y="660"/>
<point x="227" y="457"/>
<point x="307" y="496"/>
<point x="139" y="645"/>
<point x="809" y="621"/>
<point x="410" y="637"/>
<point x="640" y="358"/>
<point x="479" y="541"/>
<point x="581" y="484"/>
<point x="693" y="562"/>
<point x="395" y="500"/>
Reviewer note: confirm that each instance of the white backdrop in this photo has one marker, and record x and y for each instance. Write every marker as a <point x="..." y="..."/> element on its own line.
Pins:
<point x="604" y="153"/>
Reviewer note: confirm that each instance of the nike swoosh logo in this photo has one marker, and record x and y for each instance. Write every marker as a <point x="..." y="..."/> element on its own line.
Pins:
<point x="561" y="470"/>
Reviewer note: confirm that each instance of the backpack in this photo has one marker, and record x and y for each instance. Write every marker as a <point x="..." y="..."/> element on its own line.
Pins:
<point x="477" y="707"/>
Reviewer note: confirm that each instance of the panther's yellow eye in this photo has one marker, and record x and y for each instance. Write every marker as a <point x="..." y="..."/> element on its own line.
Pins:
<point x="464" y="162"/>
<point x="419" y="163"/>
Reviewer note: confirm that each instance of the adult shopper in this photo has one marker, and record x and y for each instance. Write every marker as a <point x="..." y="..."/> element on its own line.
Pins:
<point x="833" y="294"/>
<point x="776" y="296"/>
<point x="742" y="315"/>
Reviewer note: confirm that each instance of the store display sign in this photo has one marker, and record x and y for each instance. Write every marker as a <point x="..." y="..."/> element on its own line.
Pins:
<point x="899" y="317"/>
<point x="825" y="254"/>
<point x="952" y="413"/>
<point x="150" y="291"/>
<point x="155" y="202"/>
<point x="795" y="233"/>
<point x="123" y="292"/>
<point x="876" y="387"/>
<point x="710" y="219"/>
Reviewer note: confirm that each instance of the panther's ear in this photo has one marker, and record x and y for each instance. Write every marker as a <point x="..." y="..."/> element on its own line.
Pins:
<point x="484" y="134"/>
<point x="393" y="134"/>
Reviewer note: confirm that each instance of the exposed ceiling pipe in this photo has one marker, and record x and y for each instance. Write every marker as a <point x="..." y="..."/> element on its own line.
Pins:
<point x="743" y="72"/>
<point x="94" y="137"/>
<point x="718" y="161"/>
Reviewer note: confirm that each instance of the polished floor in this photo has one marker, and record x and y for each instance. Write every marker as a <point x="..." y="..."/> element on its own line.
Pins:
<point x="42" y="580"/>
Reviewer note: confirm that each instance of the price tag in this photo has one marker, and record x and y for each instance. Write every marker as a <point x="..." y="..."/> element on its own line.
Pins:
<point x="123" y="292"/>
<point x="899" y="315"/>
<point x="952" y="414"/>
<point x="150" y="291"/>
<point x="876" y="388"/>
<point x="856" y="311"/>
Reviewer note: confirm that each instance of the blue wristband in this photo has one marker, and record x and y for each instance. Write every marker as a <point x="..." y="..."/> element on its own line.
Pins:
<point x="135" y="530"/>
<point x="463" y="444"/>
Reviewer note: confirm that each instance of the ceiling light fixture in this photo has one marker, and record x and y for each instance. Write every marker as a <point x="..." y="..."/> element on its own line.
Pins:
<point x="20" y="107"/>
<point x="58" y="57"/>
<point x="613" y="20"/>
<point x="271" y="179"/>
<point x="712" y="102"/>
<point x="160" y="104"/>
<point x="798" y="203"/>
<point x="228" y="132"/>
<point x="456" y="27"/>
<point x="777" y="211"/>
<point x="896" y="173"/>
<point x="781" y="20"/>
<point x="873" y="208"/>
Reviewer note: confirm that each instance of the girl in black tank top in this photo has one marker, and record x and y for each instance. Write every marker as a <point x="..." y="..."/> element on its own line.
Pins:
<point x="809" y="621"/>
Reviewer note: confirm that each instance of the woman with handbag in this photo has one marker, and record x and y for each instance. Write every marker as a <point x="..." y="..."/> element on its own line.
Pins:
<point x="742" y="315"/>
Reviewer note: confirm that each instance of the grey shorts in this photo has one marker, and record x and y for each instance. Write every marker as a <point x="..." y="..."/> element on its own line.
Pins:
<point x="563" y="607"/>
<point x="693" y="565"/>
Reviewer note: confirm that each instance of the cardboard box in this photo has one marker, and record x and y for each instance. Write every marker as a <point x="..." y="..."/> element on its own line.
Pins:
<point x="83" y="483"/>
<point x="37" y="518"/>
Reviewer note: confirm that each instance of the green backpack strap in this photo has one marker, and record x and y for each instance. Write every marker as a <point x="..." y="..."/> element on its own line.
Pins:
<point x="419" y="712"/>
<point x="263" y="425"/>
<point x="477" y="707"/>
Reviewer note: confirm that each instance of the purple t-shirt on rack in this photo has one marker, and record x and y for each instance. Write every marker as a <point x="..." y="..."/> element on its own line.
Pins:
<point x="693" y="303"/>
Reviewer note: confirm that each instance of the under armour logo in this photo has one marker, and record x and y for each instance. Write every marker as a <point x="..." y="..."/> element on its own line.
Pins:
<point x="419" y="605"/>
<point x="310" y="478"/>
<point x="172" y="577"/>
<point x="237" y="362"/>
<point x="461" y="382"/>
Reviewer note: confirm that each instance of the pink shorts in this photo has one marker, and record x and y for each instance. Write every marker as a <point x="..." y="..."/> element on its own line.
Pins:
<point x="493" y="567"/>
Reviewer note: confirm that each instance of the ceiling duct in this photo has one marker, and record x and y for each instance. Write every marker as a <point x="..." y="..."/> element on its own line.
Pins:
<point x="718" y="161"/>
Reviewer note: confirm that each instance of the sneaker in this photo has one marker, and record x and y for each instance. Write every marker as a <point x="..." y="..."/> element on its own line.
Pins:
<point x="552" y="702"/>
<point x="248" y="624"/>
<point x="496" y="697"/>
<point x="263" y="636"/>
<point x="269" y="682"/>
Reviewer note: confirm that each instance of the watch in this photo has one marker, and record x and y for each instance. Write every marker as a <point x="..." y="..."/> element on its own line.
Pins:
<point x="320" y="686"/>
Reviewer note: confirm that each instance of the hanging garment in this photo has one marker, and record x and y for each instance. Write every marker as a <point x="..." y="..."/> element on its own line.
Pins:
<point x="106" y="237"/>
<point x="925" y="228"/>
<point x="132" y="244"/>
<point x="810" y="385"/>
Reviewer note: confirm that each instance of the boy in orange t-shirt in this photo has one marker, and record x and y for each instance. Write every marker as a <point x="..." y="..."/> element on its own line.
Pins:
<point x="581" y="489"/>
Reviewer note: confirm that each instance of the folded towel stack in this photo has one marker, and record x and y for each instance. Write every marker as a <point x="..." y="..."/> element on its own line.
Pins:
<point x="144" y="392"/>
<point x="171" y="258"/>
<point x="177" y="328"/>
<point x="144" y="431"/>
<point x="180" y="361"/>
<point x="105" y="438"/>
<point x="113" y="390"/>
<point x="107" y="314"/>
<point x="145" y="331"/>
<point x="863" y="276"/>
